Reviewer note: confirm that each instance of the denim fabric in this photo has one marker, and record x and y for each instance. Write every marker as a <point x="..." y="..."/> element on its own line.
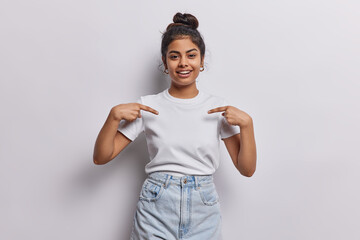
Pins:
<point x="171" y="207"/>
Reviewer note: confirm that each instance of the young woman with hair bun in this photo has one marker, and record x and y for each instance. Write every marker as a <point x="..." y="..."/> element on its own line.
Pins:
<point x="183" y="127"/>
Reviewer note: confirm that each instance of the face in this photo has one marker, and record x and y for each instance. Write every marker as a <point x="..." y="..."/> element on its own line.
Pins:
<point x="183" y="61"/>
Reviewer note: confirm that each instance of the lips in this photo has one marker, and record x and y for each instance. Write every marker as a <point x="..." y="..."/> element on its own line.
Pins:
<point x="184" y="73"/>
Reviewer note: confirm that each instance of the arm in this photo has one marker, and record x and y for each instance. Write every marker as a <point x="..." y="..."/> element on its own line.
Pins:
<point x="242" y="150"/>
<point x="109" y="142"/>
<point x="241" y="147"/>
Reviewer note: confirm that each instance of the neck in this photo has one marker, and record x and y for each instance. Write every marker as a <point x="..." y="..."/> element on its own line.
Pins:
<point x="183" y="91"/>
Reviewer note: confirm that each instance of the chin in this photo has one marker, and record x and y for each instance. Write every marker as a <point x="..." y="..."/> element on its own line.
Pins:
<point x="183" y="83"/>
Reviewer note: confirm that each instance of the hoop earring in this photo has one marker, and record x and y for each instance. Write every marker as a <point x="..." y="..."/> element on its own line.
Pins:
<point x="202" y="68"/>
<point x="167" y="72"/>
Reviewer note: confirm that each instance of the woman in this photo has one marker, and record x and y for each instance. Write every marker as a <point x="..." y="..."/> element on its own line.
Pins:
<point x="182" y="124"/>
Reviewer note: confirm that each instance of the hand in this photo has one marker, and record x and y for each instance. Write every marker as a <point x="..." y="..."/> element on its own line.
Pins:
<point x="234" y="116"/>
<point x="130" y="111"/>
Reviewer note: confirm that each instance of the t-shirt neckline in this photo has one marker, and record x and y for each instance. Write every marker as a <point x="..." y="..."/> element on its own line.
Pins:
<point x="183" y="100"/>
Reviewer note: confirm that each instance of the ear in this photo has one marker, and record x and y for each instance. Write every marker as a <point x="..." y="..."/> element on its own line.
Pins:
<point x="163" y="60"/>
<point x="202" y="60"/>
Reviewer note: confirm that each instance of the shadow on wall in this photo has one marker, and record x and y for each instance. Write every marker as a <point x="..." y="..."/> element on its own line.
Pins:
<point x="158" y="82"/>
<point x="127" y="169"/>
<point x="129" y="165"/>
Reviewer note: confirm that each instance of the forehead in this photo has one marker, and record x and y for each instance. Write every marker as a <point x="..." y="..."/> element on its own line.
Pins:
<point x="182" y="45"/>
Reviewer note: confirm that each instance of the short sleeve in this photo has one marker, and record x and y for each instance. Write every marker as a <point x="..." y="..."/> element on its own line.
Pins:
<point x="132" y="129"/>
<point x="226" y="129"/>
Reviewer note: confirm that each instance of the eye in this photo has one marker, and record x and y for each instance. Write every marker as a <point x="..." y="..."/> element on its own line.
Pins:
<point x="173" y="57"/>
<point x="192" y="55"/>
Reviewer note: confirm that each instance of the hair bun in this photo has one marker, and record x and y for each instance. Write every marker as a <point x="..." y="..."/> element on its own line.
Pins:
<point x="185" y="19"/>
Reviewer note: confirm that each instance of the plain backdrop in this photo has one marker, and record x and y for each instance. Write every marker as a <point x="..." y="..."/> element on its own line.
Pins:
<point x="293" y="66"/>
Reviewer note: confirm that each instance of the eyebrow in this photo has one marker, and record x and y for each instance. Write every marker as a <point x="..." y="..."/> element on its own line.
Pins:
<point x="173" y="51"/>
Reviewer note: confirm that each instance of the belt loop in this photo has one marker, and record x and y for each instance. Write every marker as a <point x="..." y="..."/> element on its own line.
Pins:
<point x="167" y="180"/>
<point x="196" y="183"/>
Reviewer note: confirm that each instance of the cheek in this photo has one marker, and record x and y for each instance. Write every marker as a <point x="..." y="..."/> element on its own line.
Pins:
<point x="196" y="64"/>
<point x="196" y="68"/>
<point x="172" y="66"/>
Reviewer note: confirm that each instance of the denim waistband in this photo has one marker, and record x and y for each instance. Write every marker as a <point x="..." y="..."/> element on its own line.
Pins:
<point x="187" y="180"/>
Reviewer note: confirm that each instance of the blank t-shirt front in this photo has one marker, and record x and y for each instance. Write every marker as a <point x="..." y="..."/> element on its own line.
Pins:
<point x="183" y="139"/>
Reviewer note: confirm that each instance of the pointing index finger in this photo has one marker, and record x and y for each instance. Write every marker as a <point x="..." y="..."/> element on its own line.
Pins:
<point x="218" y="109"/>
<point x="149" y="109"/>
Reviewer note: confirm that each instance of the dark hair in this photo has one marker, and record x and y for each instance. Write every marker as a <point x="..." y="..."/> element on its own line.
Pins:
<point x="183" y="26"/>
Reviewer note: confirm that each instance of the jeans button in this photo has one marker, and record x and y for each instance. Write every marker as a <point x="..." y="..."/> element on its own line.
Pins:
<point x="185" y="181"/>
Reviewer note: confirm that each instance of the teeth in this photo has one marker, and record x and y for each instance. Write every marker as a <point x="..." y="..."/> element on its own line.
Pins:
<point x="185" y="72"/>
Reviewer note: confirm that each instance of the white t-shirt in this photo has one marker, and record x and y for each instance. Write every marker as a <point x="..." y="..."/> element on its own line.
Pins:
<point x="183" y="139"/>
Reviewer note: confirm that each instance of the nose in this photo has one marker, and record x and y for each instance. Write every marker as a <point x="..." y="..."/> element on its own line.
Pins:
<point x="183" y="62"/>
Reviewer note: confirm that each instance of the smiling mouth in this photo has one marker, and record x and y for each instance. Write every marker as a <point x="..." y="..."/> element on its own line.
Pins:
<point x="184" y="74"/>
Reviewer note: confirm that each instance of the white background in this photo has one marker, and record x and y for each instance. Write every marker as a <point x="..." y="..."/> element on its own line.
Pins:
<point x="293" y="66"/>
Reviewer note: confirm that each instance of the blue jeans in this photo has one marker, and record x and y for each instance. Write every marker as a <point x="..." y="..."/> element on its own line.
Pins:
<point x="172" y="208"/>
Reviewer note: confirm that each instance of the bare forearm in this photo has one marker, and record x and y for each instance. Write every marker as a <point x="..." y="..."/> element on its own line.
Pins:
<point x="247" y="155"/>
<point x="104" y="145"/>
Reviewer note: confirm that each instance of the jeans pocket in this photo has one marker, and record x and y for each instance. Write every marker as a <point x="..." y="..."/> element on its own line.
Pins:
<point x="208" y="194"/>
<point x="151" y="190"/>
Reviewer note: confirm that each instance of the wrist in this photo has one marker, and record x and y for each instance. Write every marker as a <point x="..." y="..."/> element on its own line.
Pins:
<point x="114" y="116"/>
<point x="247" y="125"/>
